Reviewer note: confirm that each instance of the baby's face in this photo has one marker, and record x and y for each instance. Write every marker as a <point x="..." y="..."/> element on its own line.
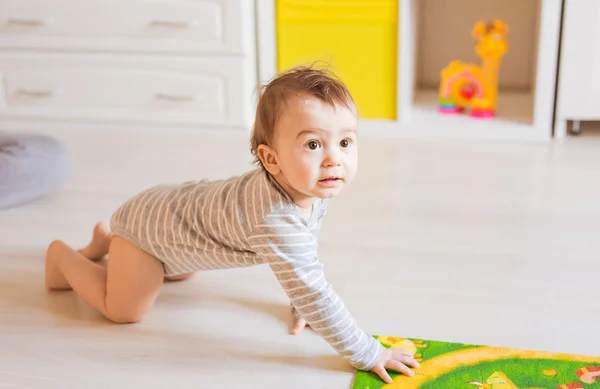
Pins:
<point x="317" y="148"/>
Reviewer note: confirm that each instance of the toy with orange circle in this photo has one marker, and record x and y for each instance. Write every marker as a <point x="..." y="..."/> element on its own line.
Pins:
<point x="469" y="86"/>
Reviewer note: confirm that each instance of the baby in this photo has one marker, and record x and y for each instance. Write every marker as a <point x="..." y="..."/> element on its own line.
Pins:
<point x="304" y="142"/>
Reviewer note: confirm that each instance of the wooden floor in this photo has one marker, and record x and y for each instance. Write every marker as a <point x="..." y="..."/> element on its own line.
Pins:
<point x="488" y="243"/>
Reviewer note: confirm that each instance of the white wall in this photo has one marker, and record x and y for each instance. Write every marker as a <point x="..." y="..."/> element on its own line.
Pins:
<point x="445" y="34"/>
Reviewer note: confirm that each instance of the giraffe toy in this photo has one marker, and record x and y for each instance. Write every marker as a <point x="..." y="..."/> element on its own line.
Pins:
<point x="468" y="86"/>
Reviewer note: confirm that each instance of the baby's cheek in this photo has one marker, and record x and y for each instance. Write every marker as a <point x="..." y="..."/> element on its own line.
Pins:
<point x="351" y="161"/>
<point x="307" y="175"/>
<point x="307" y="169"/>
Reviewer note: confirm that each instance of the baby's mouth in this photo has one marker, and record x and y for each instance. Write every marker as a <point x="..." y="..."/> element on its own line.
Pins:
<point x="330" y="180"/>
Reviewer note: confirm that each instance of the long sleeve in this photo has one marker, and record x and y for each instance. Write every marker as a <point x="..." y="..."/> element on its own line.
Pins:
<point x="289" y="247"/>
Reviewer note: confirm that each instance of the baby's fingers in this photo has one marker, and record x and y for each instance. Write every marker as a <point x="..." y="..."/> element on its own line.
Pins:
<point x="403" y="356"/>
<point x="399" y="367"/>
<point x="407" y="360"/>
<point x="380" y="371"/>
<point x="300" y="324"/>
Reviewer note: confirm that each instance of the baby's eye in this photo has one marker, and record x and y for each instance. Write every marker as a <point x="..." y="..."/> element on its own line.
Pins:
<point x="345" y="142"/>
<point x="313" y="145"/>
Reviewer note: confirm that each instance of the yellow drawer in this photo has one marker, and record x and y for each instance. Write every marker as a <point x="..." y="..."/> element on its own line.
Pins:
<point x="357" y="38"/>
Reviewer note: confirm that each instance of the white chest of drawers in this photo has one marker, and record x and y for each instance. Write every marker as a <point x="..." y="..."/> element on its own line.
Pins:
<point x="163" y="62"/>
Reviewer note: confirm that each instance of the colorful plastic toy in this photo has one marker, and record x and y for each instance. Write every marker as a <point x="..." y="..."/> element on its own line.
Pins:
<point x="468" y="86"/>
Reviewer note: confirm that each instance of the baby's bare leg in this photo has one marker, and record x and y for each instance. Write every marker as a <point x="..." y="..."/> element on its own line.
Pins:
<point x="100" y="243"/>
<point x="123" y="292"/>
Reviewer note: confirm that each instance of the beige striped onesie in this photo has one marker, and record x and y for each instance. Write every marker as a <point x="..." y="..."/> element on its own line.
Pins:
<point x="245" y="221"/>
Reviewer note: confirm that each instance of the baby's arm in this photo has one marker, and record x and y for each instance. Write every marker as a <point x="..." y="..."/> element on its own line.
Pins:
<point x="290" y="250"/>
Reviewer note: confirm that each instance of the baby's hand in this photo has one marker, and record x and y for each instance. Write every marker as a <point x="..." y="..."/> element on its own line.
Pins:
<point x="395" y="359"/>
<point x="300" y="322"/>
<point x="299" y="326"/>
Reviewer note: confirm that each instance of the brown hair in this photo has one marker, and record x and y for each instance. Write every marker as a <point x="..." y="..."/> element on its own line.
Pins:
<point x="307" y="80"/>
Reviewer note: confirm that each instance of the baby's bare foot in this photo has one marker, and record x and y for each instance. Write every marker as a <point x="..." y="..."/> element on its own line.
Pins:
<point x="100" y="243"/>
<point x="54" y="277"/>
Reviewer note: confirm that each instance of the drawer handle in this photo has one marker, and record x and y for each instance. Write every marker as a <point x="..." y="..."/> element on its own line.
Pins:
<point x="36" y="93"/>
<point x="172" y="97"/>
<point x="31" y="22"/>
<point x="174" y="24"/>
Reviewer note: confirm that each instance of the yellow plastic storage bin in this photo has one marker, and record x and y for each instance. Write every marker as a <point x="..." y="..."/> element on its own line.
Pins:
<point x="358" y="39"/>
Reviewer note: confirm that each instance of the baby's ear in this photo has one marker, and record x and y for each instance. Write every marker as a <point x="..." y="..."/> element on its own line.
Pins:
<point x="268" y="158"/>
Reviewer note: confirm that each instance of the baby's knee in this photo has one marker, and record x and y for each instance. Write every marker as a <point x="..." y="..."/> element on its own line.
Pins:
<point x="54" y="246"/>
<point x="124" y="315"/>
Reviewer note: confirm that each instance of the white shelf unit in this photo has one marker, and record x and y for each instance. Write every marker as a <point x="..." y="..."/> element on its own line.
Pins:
<point x="526" y="99"/>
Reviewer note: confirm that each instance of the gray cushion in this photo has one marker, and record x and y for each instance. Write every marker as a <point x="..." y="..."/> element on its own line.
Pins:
<point x="31" y="166"/>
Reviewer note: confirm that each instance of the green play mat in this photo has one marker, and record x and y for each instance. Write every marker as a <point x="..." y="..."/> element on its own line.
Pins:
<point x="447" y="365"/>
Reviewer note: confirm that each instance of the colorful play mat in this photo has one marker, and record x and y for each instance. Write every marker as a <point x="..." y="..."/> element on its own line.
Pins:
<point x="463" y="366"/>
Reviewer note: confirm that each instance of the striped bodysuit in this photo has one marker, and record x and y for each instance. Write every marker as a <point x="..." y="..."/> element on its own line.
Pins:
<point x="245" y="221"/>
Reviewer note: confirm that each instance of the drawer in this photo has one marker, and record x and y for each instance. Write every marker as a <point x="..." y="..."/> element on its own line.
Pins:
<point x="192" y="26"/>
<point x="195" y="91"/>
